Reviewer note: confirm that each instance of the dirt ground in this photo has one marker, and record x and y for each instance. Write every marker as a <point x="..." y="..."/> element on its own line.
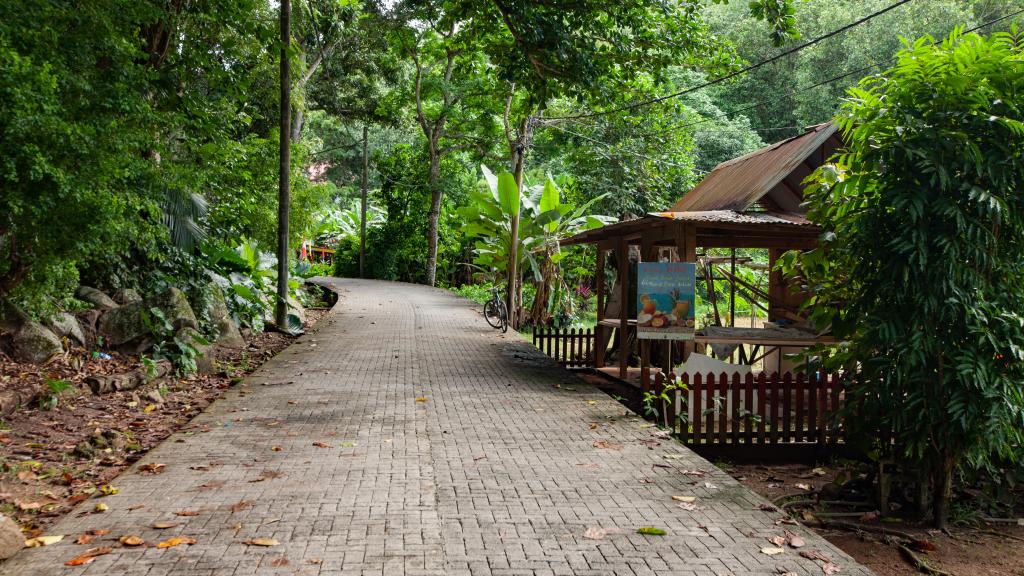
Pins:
<point x="52" y="459"/>
<point x="984" y="549"/>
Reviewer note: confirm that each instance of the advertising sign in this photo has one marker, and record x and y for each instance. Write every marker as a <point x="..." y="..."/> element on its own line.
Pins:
<point x="665" y="300"/>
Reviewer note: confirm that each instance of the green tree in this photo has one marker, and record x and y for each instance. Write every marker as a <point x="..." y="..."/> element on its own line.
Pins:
<point x="919" y="272"/>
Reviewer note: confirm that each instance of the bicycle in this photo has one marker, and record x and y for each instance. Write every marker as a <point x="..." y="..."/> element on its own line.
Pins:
<point x="495" y="312"/>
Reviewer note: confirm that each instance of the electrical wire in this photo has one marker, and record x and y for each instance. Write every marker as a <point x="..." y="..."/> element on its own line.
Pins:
<point x="739" y="72"/>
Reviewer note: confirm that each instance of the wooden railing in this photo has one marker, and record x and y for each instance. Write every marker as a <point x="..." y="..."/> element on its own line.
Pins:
<point x="570" y="347"/>
<point x="730" y="414"/>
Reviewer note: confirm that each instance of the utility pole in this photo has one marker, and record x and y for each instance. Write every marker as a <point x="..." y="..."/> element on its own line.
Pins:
<point x="283" y="190"/>
<point x="362" y="207"/>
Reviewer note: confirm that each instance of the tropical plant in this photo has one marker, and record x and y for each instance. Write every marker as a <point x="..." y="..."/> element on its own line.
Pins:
<point x="248" y="277"/>
<point x="344" y="224"/>
<point x="919" y="269"/>
<point x="545" y="220"/>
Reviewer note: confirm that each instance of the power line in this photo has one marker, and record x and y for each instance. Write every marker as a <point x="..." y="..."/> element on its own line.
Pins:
<point x="806" y="88"/>
<point x="740" y="72"/>
<point x="627" y="151"/>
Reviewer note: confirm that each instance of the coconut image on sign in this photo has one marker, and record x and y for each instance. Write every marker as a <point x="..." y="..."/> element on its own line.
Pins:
<point x="665" y="300"/>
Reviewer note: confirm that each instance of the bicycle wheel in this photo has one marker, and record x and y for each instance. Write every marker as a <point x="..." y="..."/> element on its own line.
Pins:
<point x="493" y="314"/>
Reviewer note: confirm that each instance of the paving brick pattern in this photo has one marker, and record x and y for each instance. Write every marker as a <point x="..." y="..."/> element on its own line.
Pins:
<point x="450" y="450"/>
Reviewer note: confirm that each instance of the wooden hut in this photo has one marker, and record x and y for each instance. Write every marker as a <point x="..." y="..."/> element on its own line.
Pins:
<point x="753" y="201"/>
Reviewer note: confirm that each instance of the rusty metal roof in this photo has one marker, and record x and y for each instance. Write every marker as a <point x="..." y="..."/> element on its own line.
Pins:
<point x="734" y="217"/>
<point x="781" y="224"/>
<point x="771" y="176"/>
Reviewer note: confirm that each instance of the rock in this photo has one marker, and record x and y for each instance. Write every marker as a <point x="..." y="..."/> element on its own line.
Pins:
<point x="228" y="334"/>
<point x="85" y="449"/>
<point x="205" y="353"/>
<point x="154" y="396"/>
<point x="217" y="311"/>
<point x="66" y="325"/>
<point x="95" y="297"/>
<point x="35" y="344"/>
<point x="125" y="329"/>
<point x="114" y="439"/>
<point x="294" y="307"/>
<point x="127" y="296"/>
<point x="103" y="383"/>
<point x="11" y="538"/>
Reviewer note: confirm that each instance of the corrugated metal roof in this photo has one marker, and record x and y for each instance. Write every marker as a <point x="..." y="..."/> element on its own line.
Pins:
<point x="771" y="175"/>
<point x="734" y="217"/>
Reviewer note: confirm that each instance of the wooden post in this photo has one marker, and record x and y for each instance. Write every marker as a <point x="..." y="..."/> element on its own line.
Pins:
<point x="686" y="245"/>
<point x="622" y="251"/>
<point x="362" y="207"/>
<point x="600" y="341"/>
<point x="284" y="172"/>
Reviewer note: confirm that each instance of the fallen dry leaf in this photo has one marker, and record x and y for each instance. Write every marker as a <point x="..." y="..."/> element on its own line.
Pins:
<point x="778" y="541"/>
<point x="279" y="562"/>
<point x="135" y="507"/>
<point x="88" y="556"/>
<point x="276" y="448"/>
<point x="240" y="505"/>
<point x="684" y="498"/>
<point x="42" y="541"/>
<point x="132" y="541"/>
<point x="321" y="445"/>
<point x="176" y="541"/>
<point x="806" y="487"/>
<point x="599" y="533"/>
<point x="770" y="551"/>
<point x="607" y="445"/>
<point x="187" y="513"/>
<point x="422" y="399"/>
<point x="829" y="568"/>
<point x="99" y="532"/>
<point x="164" y="525"/>
<point x="794" y="541"/>
<point x="262" y="542"/>
<point x="814" y="555"/>
<point x="923" y="546"/>
<point x="869" y="516"/>
<point x="84" y="539"/>
<point x="153" y="468"/>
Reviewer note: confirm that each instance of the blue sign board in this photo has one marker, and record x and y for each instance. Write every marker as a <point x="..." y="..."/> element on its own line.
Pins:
<point x="666" y="300"/>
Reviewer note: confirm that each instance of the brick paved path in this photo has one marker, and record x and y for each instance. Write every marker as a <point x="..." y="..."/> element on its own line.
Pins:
<point x="496" y="472"/>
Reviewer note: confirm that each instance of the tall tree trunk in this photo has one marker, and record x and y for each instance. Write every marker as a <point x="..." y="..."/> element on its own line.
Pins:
<point x="362" y="205"/>
<point x="298" y="116"/>
<point x="942" y="490"/>
<point x="434" y="215"/>
<point x="283" y="191"/>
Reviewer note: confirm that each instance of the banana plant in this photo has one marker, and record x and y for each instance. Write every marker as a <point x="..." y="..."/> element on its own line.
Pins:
<point x="343" y="224"/>
<point x="544" y="221"/>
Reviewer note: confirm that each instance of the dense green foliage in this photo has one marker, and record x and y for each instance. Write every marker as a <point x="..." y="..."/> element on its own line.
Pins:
<point x="920" y="269"/>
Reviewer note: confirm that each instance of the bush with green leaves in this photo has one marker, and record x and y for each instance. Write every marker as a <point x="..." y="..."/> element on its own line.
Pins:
<point x="920" y="268"/>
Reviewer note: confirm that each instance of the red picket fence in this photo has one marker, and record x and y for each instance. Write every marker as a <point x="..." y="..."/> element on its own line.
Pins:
<point x="761" y="415"/>
<point x="570" y="347"/>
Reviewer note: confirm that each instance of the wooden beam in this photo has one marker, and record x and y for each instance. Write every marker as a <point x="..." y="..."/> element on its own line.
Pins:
<point x="622" y="254"/>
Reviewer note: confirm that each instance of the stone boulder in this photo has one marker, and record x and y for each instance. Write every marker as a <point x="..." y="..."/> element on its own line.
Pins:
<point x="66" y="326"/>
<point x="34" y="343"/>
<point x="11" y="538"/>
<point x="125" y="329"/>
<point x="127" y="296"/>
<point x="95" y="297"/>
<point x="228" y="335"/>
<point x="294" y="307"/>
<point x="205" y="352"/>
